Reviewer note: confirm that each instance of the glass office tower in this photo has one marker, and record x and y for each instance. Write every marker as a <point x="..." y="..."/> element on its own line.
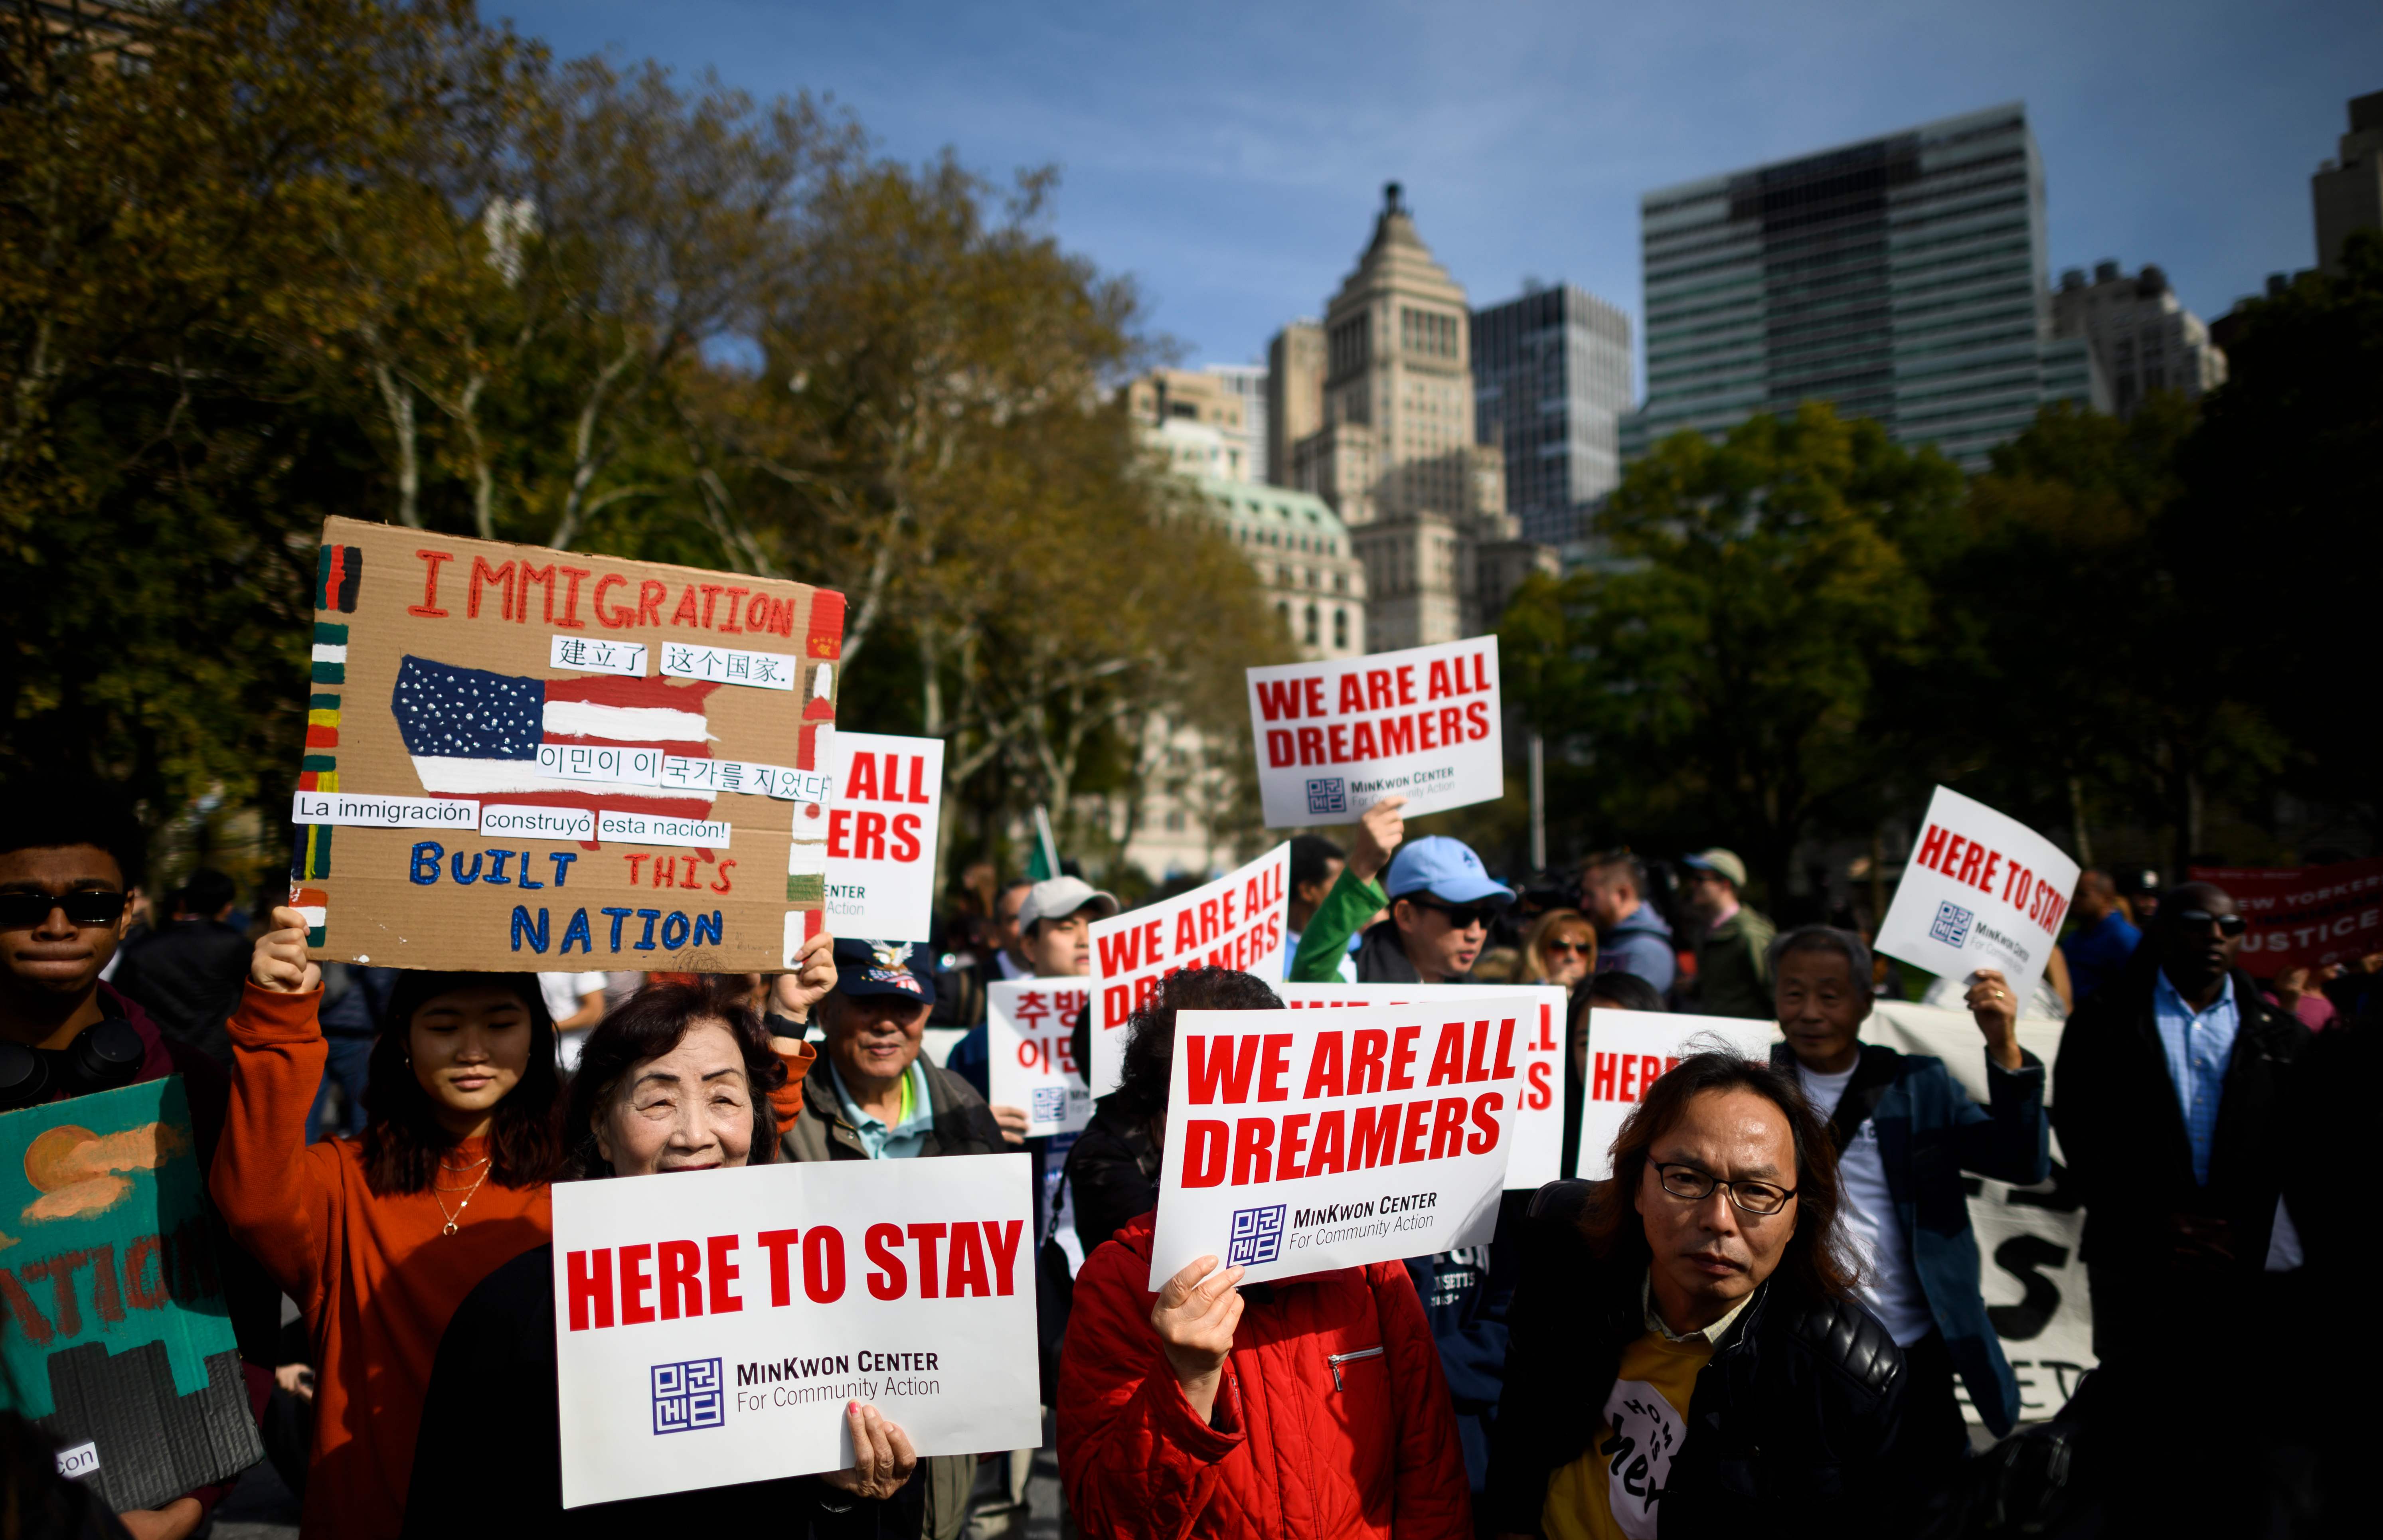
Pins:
<point x="1903" y="278"/>
<point x="1550" y="386"/>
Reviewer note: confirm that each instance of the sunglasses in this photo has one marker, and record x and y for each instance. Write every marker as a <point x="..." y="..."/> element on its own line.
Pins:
<point x="84" y="907"/>
<point x="1578" y="949"/>
<point x="2229" y="925"/>
<point x="1463" y="919"/>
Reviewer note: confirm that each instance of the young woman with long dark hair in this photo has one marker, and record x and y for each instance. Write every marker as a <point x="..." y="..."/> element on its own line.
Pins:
<point x="682" y="1079"/>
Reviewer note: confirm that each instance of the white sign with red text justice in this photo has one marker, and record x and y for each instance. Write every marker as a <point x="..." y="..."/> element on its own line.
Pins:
<point x="1303" y="1141"/>
<point x="1239" y="922"/>
<point x="1980" y="891"/>
<point x="880" y="835"/>
<point x="1629" y="1051"/>
<point x="1335" y="737"/>
<point x="1030" y="1038"/>
<point x="1539" y="1011"/>
<point x="711" y="1326"/>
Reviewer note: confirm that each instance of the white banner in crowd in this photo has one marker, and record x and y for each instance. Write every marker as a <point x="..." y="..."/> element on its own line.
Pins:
<point x="1301" y="1141"/>
<point x="880" y="835"/>
<point x="1628" y="1051"/>
<point x="709" y="1328"/>
<point x="1336" y="736"/>
<point x="1538" y="1157"/>
<point x="1240" y="920"/>
<point x="1030" y="1025"/>
<point x="2027" y="1237"/>
<point x="1980" y="891"/>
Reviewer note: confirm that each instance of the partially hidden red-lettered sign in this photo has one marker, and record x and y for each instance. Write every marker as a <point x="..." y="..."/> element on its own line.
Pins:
<point x="1239" y="922"/>
<point x="2304" y="917"/>
<point x="1629" y="1051"/>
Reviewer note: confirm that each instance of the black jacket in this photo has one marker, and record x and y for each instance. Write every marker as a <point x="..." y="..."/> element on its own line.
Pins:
<point x="187" y="975"/>
<point x="489" y="1463"/>
<point x="2123" y="1134"/>
<point x="962" y="1124"/>
<point x="1792" y="1428"/>
<point x="1112" y="1173"/>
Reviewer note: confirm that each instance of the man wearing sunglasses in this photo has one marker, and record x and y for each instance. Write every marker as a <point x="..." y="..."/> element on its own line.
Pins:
<point x="65" y="860"/>
<point x="2169" y="1098"/>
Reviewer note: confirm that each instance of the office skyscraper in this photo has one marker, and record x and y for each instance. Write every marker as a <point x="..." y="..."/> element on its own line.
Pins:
<point x="2347" y="194"/>
<point x="1550" y="383"/>
<point x="1902" y="279"/>
<point x="2143" y="336"/>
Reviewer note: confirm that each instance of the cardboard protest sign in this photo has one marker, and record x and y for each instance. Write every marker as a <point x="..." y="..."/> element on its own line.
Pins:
<point x="1237" y="921"/>
<point x="2303" y="916"/>
<point x="1336" y="736"/>
<point x="711" y="1326"/>
<point x="881" y="820"/>
<point x="519" y="758"/>
<point x="1300" y="1140"/>
<point x="1538" y="1157"/>
<point x="2027" y="1237"/>
<point x="1030" y="1027"/>
<point x="119" y="1341"/>
<point x="1628" y="1051"/>
<point x="1980" y="891"/>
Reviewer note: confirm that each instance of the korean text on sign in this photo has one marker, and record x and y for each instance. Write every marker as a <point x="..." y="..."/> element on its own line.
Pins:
<point x="1237" y="921"/>
<point x="1031" y="1025"/>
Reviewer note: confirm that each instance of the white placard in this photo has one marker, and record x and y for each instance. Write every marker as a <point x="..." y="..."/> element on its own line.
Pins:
<point x="1237" y="921"/>
<point x="1540" y="1040"/>
<point x="595" y="654"/>
<point x="648" y="829"/>
<point x="1980" y="891"/>
<point x="538" y="823"/>
<point x="369" y="811"/>
<point x="1335" y="737"/>
<point x="1301" y="1141"/>
<point x="1030" y="1025"/>
<point x="886" y="797"/>
<point x="711" y="1326"/>
<point x="1628" y="1051"/>
<point x="761" y="671"/>
<point x="614" y="762"/>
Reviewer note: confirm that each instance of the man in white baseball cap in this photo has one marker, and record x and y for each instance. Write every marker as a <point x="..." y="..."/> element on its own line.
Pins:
<point x="1054" y="926"/>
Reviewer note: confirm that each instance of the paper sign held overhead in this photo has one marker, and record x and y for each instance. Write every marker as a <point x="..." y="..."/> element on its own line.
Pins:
<point x="641" y="731"/>
<point x="1629" y="1051"/>
<point x="711" y="1326"/>
<point x="1237" y="921"/>
<point x="1030" y="1029"/>
<point x="1335" y="737"/>
<point x="1980" y="891"/>
<point x="1537" y="1156"/>
<point x="880" y="820"/>
<point x="1300" y="1140"/>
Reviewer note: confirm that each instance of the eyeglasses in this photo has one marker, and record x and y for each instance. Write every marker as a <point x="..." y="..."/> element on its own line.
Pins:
<point x="1463" y="919"/>
<point x="2229" y="925"/>
<point x="1578" y="949"/>
<point x="1760" y="1199"/>
<point x="84" y="906"/>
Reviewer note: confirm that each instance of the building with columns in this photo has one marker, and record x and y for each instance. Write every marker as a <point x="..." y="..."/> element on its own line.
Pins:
<point x="1393" y="451"/>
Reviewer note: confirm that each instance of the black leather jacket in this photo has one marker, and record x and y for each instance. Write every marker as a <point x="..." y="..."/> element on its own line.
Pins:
<point x="1792" y="1428"/>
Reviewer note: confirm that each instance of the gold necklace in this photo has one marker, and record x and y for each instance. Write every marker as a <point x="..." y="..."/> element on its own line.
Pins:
<point x="455" y="1218"/>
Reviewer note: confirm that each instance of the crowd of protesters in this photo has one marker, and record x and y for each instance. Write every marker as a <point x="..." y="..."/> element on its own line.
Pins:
<point x="1767" y="1320"/>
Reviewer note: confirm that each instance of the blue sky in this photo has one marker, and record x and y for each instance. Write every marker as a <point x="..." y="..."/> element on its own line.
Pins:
<point x="1230" y="155"/>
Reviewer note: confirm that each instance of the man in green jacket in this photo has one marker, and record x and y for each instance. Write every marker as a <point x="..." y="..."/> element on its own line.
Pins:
<point x="1732" y="942"/>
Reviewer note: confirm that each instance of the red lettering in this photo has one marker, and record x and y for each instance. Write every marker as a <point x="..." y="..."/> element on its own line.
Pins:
<point x="650" y="595"/>
<point x="1377" y="690"/>
<point x="1601" y="1085"/>
<point x="496" y="577"/>
<point x="1931" y="848"/>
<point x="1448" y="1056"/>
<point x="617" y="617"/>
<point x="1001" y="1237"/>
<point x="722" y="1272"/>
<point x="728" y="617"/>
<point x="1311" y="746"/>
<point x="1286" y="1164"/>
<point x="1486" y="1108"/>
<point x="839" y="828"/>
<point x="635" y="1281"/>
<point x="1214" y="1067"/>
<point x="1971" y="859"/>
<point x="681" y="1278"/>
<point x="778" y="1243"/>
<point x="1397" y="737"/>
<point x="1325" y="1161"/>
<point x="1448" y="1127"/>
<point x="869" y="836"/>
<point x="1252" y="1151"/>
<point x="890" y="1281"/>
<point x="591" y="1276"/>
<point x="1314" y="697"/>
<point x="1477" y="713"/>
<point x="906" y="837"/>
<point x="1418" y="1127"/>
<point x="824" y="1264"/>
<point x="967" y="1279"/>
<point x="1277" y="1065"/>
<point x="928" y="1237"/>
<point x="1206" y="1143"/>
<point x="1373" y="1138"/>
<point x="429" y="605"/>
<point x="1278" y="698"/>
<point x="1367" y="1049"/>
<point x="570" y="621"/>
<point x="1439" y="685"/>
<point x="530" y="574"/>
<point x="1324" y="1068"/>
<point x="1353" y="693"/>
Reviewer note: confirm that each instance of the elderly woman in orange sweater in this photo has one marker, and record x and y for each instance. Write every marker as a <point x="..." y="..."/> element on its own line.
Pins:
<point x="379" y="1239"/>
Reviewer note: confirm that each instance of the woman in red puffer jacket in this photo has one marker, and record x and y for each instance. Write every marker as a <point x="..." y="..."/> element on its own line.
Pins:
<point x="1308" y="1407"/>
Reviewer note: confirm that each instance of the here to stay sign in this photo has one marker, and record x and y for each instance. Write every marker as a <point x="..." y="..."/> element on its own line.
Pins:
<point x="1539" y="1012"/>
<point x="1237" y="921"/>
<point x="1030" y="1039"/>
<point x="1337" y="736"/>
<point x="1300" y="1140"/>
<point x="880" y="835"/>
<point x="1629" y="1051"/>
<point x="1980" y="891"/>
<point x="711" y="1326"/>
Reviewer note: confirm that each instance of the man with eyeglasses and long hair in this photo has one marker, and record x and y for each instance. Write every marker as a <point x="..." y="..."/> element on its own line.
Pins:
<point x="2169" y="1097"/>
<point x="1689" y="1357"/>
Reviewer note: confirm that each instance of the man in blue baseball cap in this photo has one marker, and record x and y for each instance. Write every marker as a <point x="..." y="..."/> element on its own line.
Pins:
<point x="1439" y="898"/>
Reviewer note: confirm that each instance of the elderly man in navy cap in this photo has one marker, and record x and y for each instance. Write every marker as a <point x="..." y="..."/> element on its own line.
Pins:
<point x="880" y="1099"/>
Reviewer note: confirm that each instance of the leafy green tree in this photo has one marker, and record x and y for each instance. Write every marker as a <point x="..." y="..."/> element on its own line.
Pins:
<point x="1710" y="682"/>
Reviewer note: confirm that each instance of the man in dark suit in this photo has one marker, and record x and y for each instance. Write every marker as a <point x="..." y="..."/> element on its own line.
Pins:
<point x="2170" y="1101"/>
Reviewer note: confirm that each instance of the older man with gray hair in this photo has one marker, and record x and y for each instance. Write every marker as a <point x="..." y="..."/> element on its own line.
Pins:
<point x="1905" y="1131"/>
